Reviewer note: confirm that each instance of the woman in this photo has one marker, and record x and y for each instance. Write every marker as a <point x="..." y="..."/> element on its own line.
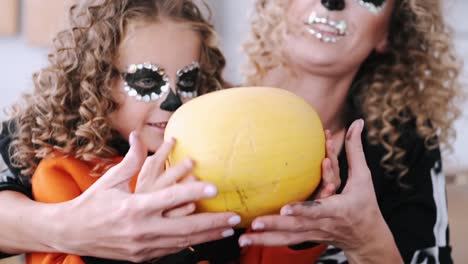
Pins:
<point x="390" y="63"/>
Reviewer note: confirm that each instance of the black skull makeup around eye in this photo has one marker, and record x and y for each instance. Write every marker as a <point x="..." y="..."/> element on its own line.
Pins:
<point x="146" y="82"/>
<point x="374" y="6"/>
<point x="188" y="81"/>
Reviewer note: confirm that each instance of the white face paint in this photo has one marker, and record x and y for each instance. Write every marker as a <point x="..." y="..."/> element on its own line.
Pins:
<point x="374" y="6"/>
<point x="335" y="29"/>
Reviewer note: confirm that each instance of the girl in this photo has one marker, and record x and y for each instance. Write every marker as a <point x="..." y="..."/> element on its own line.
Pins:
<point x="122" y="66"/>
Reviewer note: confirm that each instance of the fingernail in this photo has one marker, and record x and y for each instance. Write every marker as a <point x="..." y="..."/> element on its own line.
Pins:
<point x="245" y="242"/>
<point x="258" y="226"/>
<point x="210" y="191"/>
<point x="286" y="211"/>
<point x="234" y="220"/>
<point x="170" y="140"/>
<point x="361" y="125"/>
<point x="131" y="138"/>
<point x="228" y="233"/>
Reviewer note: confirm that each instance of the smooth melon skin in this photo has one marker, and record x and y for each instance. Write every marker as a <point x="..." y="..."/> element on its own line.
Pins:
<point x="262" y="147"/>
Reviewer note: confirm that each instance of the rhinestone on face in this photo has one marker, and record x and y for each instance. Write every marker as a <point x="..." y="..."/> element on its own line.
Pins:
<point x="146" y="98"/>
<point x="154" y="96"/>
<point x="132" y="69"/>
<point x="165" y="88"/>
<point x="140" y="66"/>
<point x="132" y="92"/>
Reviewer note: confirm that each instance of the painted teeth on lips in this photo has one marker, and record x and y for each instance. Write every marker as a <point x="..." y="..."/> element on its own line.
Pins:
<point x="326" y="30"/>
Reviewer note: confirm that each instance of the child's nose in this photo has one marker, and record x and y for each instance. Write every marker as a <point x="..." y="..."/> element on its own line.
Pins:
<point x="172" y="102"/>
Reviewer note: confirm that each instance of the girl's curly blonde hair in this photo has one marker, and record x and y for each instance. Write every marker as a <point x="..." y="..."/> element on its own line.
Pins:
<point x="416" y="80"/>
<point x="69" y="107"/>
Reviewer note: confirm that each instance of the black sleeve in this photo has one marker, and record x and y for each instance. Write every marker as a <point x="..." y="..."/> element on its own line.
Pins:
<point x="417" y="214"/>
<point x="10" y="177"/>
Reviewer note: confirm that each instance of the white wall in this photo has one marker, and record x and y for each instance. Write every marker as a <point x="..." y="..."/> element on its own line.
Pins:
<point x="17" y="64"/>
<point x="18" y="61"/>
<point x="457" y="11"/>
<point x="231" y="21"/>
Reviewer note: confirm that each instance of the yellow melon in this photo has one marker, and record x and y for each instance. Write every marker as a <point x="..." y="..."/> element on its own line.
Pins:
<point x="262" y="147"/>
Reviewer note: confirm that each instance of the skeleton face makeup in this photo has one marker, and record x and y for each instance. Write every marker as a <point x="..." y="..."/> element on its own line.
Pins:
<point x="374" y="6"/>
<point x="187" y="81"/>
<point x="148" y="82"/>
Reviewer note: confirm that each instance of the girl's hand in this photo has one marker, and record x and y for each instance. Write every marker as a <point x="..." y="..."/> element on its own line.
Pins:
<point x="108" y="221"/>
<point x="351" y="220"/>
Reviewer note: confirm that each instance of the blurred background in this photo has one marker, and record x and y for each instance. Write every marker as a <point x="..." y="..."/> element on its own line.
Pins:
<point x="27" y="26"/>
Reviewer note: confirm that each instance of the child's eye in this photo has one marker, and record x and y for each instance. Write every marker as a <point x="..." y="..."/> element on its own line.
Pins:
<point x="146" y="83"/>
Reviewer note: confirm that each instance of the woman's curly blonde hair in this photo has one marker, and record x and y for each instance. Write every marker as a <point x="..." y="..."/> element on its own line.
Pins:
<point x="416" y="80"/>
<point x="69" y="108"/>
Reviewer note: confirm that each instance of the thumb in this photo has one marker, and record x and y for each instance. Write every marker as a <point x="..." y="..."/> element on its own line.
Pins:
<point x="355" y="154"/>
<point x="122" y="173"/>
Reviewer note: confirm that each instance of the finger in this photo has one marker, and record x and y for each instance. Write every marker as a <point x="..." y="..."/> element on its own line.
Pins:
<point x="162" y="154"/>
<point x="328" y="134"/>
<point x="327" y="187"/>
<point x="279" y="238"/>
<point x="183" y="210"/>
<point x="197" y="223"/>
<point x="167" y="178"/>
<point x="325" y="208"/>
<point x="189" y="178"/>
<point x="175" y="195"/>
<point x="175" y="174"/>
<point x="283" y="223"/>
<point x="121" y="173"/>
<point x="354" y="150"/>
<point x="195" y="239"/>
<point x="153" y="168"/>
<point x="332" y="154"/>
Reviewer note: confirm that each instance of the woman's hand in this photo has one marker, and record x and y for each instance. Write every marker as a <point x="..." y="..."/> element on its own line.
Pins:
<point x="108" y="221"/>
<point x="330" y="170"/>
<point x="351" y="220"/>
<point x="152" y="177"/>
